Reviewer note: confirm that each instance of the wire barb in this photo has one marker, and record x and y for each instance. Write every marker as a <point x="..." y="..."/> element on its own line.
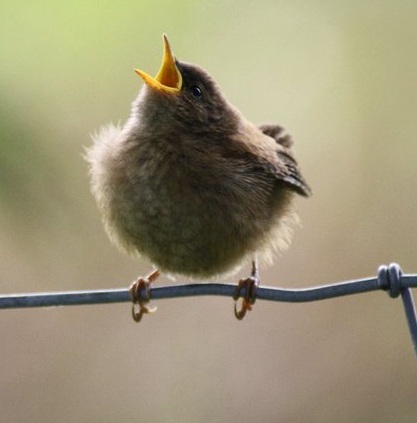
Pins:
<point x="391" y="280"/>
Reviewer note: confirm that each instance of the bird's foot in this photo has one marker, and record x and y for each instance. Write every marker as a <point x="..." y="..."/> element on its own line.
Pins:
<point x="140" y="295"/>
<point x="249" y="285"/>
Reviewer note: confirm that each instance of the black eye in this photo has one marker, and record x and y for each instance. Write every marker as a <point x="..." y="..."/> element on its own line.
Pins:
<point x="196" y="91"/>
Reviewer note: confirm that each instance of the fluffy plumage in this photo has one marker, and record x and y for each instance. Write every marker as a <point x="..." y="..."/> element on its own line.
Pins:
<point x="192" y="185"/>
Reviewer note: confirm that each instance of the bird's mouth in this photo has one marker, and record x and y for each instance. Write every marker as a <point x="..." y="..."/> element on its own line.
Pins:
<point x="168" y="79"/>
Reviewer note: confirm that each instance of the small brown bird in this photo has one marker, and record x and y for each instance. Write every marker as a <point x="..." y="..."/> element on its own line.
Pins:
<point x="192" y="185"/>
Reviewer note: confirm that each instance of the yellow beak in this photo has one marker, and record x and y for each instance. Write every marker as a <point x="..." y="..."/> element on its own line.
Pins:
<point x="168" y="79"/>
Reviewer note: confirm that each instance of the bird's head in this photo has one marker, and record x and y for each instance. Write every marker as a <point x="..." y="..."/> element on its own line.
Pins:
<point x="185" y="95"/>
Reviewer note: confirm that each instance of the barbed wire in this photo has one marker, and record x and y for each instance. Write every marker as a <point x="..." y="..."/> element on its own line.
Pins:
<point x="389" y="278"/>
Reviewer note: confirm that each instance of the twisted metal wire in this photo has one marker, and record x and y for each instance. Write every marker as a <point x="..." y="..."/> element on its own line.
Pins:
<point x="389" y="278"/>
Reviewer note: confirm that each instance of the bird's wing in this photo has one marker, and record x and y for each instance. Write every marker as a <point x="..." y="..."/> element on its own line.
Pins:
<point x="287" y="171"/>
<point x="278" y="133"/>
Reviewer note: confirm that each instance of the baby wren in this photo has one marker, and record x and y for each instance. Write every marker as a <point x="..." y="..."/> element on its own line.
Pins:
<point x="192" y="185"/>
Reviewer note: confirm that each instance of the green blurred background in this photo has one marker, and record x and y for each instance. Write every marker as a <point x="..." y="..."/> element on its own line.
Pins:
<point x="342" y="77"/>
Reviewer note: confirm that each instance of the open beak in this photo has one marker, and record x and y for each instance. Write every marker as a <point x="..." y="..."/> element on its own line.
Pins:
<point x="168" y="79"/>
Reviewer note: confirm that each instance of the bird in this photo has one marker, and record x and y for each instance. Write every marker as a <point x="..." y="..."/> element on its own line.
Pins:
<point x="192" y="185"/>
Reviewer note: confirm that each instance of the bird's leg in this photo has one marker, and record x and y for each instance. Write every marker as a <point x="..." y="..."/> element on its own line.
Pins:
<point x="140" y="295"/>
<point x="249" y="284"/>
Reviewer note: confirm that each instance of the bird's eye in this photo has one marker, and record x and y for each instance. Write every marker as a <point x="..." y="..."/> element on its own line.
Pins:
<point x="196" y="91"/>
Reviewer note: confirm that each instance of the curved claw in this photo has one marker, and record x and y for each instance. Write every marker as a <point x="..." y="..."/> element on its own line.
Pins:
<point x="143" y="309"/>
<point x="249" y="298"/>
<point x="240" y="314"/>
<point x="140" y="295"/>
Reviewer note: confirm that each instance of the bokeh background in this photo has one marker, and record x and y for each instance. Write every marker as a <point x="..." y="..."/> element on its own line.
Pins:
<point x="342" y="77"/>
